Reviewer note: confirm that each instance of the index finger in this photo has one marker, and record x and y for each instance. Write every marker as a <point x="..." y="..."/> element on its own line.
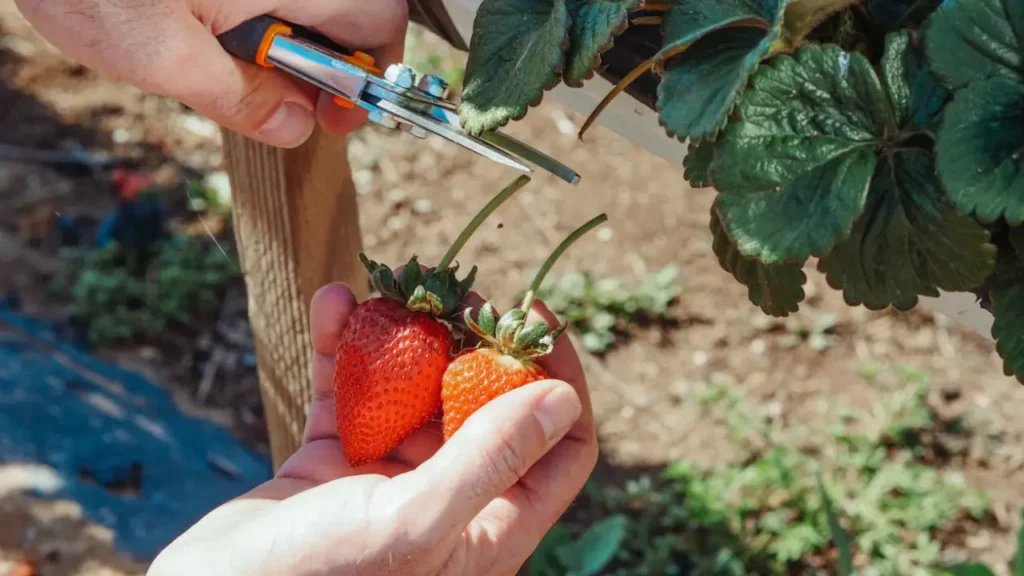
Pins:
<point x="328" y="312"/>
<point x="563" y="363"/>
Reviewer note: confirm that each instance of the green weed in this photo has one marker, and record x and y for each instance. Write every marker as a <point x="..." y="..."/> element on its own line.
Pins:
<point x="602" y="310"/>
<point x="112" y="302"/>
<point x="781" y="509"/>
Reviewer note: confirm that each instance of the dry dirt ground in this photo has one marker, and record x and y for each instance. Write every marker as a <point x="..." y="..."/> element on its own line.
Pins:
<point x="414" y="198"/>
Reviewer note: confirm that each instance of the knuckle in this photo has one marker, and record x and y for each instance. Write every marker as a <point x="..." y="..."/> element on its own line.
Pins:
<point x="504" y="464"/>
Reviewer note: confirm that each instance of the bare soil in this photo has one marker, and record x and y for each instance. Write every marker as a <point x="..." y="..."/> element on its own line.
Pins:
<point x="414" y="196"/>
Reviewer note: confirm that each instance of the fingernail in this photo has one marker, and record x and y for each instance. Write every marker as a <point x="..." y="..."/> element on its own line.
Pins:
<point x="557" y="411"/>
<point x="290" y="125"/>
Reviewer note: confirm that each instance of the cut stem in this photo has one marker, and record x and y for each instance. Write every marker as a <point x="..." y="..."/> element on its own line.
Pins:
<point x="647" y="20"/>
<point x="622" y="85"/>
<point x="479" y="219"/>
<point x="550" y="262"/>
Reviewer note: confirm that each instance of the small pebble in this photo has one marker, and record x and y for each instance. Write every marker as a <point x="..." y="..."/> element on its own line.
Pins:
<point x="422" y="206"/>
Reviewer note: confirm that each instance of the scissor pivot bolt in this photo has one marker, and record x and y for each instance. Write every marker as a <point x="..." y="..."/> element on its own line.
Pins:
<point x="401" y="75"/>
<point x="434" y="86"/>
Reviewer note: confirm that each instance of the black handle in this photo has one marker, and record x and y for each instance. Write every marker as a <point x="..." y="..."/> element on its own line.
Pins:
<point x="244" y="41"/>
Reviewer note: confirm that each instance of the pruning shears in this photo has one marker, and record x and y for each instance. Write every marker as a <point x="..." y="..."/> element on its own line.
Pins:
<point x="393" y="97"/>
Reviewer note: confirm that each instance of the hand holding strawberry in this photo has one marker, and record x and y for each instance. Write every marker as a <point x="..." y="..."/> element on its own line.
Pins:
<point x="395" y="348"/>
<point x="510" y="346"/>
<point x="477" y="505"/>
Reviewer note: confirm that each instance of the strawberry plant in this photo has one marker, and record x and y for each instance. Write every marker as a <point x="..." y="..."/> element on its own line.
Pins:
<point x="882" y="138"/>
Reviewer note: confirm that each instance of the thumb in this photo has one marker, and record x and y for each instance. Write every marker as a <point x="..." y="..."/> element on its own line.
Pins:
<point x="263" y="104"/>
<point x="487" y="456"/>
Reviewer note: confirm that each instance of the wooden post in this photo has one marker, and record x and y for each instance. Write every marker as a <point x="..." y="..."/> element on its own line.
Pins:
<point x="297" y="227"/>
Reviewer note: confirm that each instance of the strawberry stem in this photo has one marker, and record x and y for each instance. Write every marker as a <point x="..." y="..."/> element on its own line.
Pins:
<point x="647" y="20"/>
<point x="539" y="278"/>
<point x="479" y="219"/>
<point x="622" y="85"/>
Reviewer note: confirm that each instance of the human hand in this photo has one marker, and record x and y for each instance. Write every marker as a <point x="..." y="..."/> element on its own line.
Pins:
<point x="476" y="505"/>
<point x="169" y="47"/>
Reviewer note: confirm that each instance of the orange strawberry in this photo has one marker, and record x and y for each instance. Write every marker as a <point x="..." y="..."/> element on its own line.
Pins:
<point x="394" y="349"/>
<point x="505" y="358"/>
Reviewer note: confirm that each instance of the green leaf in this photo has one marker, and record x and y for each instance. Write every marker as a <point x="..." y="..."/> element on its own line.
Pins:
<point x="697" y="161"/>
<point x="916" y="94"/>
<point x="517" y="51"/>
<point x="595" y="24"/>
<point x="911" y="241"/>
<point x="698" y="90"/>
<point x="1008" y="328"/>
<point x="794" y="168"/>
<point x="711" y="49"/>
<point x="979" y="150"/>
<point x="689" y="20"/>
<point x="975" y="40"/>
<point x="544" y="561"/>
<point x="596" y="548"/>
<point x="972" y="569"/>
<point x="777" y="289"/>
<point x="840" y="537"/>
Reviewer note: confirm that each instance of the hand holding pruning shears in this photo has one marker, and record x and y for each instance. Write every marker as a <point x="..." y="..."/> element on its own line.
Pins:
<point x="170" y="48"/>
<point x="270" y="69"/>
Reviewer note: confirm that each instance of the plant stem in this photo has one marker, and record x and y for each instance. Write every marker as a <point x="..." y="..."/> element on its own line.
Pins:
<point x="657" y="63"/>
<point x="550" y="262"/>
<point x="647" y="20"/>
<point x="479" y="219"/>
<point x="622" y="85"/>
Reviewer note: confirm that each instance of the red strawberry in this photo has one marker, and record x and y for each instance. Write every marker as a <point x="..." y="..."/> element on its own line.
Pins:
<point x="395" y="348"/>
<point x="504" y="360"/>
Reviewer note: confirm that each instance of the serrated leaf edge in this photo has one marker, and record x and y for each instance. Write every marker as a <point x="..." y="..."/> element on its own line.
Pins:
<point x="730" y="263"/>
<point x="552" y="83"/>
<point x="604" y="47"/>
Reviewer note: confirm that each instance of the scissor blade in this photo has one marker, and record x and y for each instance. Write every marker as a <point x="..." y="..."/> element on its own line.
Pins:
<point x="530" y="154"/>
<point x="453" y="135"/>
<point x="522" y="150"/>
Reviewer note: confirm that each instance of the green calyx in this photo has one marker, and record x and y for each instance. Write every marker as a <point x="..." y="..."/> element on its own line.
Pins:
<point x="438" y="290"/>
<point x="510" y="334"/>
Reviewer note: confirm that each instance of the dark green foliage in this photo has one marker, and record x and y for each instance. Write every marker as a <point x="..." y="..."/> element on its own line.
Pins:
<point x="602" y="309"/>
<point x="883" y="137"/>
<point x="595" y="23"/>
<point x="184" y="281"/>
<point x="697" y="162"/>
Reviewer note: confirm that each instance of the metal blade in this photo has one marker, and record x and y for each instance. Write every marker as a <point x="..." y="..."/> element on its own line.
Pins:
<point x="518" y="148"/>
<point x="452" y="134"/>
<point x="531" y="154"/>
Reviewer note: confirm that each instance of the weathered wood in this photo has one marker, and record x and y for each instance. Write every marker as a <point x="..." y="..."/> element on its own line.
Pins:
<point x="297" y="226"/>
